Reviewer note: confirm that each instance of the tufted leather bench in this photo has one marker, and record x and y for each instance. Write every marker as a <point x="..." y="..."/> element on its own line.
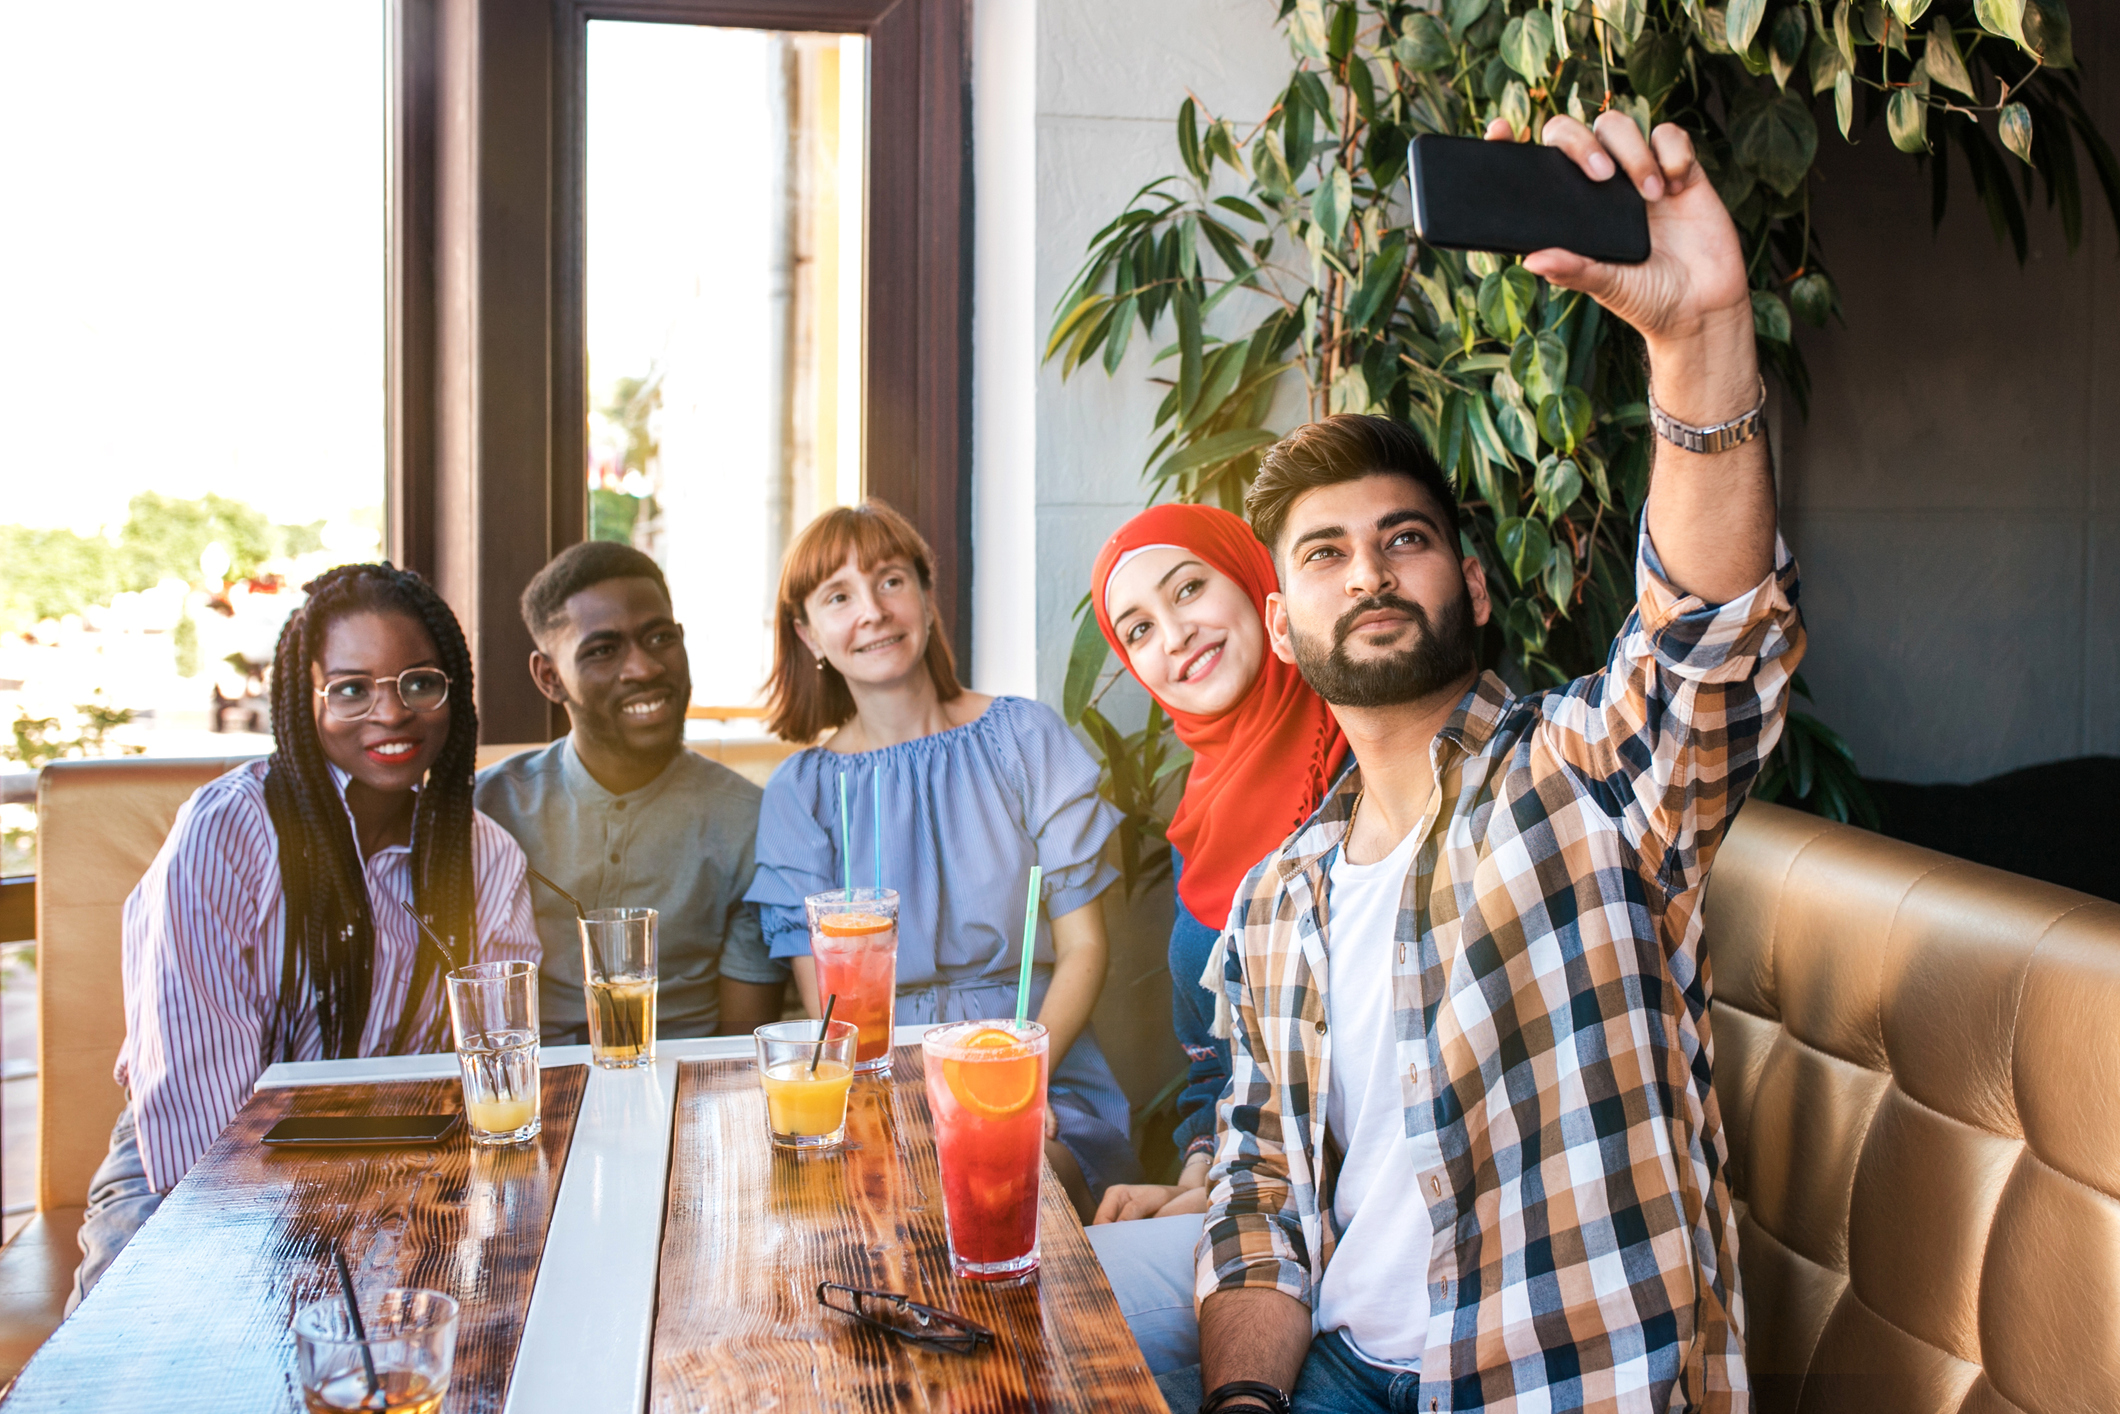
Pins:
<point x="99" y="824"/>
<point x="1918" y="1063"/>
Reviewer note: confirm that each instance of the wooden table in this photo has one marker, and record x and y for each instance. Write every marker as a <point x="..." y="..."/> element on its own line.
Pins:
<point x="752" y="1230"/>
<point x="593" y="1317"/>
<point x="196" y="1312"/>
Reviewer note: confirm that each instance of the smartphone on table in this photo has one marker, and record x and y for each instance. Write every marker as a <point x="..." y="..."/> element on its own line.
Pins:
<point x="1515" y="198"/>
<point x="306" y="1130"/>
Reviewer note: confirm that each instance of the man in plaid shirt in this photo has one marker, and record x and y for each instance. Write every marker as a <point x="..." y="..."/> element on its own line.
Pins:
<point x="1470" y="1141"/>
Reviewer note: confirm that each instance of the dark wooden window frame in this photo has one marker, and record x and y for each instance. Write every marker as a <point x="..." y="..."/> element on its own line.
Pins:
<point x="487" y="350"/>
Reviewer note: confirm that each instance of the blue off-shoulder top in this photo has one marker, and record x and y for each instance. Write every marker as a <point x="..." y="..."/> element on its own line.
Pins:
<point x="965" y="814"/>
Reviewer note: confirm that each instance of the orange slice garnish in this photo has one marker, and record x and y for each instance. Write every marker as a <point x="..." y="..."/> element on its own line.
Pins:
<point x="852" y="925"/>
<point x="995" y="1088"/>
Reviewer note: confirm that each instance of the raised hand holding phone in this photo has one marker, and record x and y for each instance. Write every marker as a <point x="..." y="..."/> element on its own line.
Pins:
<point x="1713" y="521"/>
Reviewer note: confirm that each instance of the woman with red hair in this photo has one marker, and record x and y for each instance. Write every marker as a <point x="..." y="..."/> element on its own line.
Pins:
<point x="969" y="792"/>
<point x="1180" y="592"/>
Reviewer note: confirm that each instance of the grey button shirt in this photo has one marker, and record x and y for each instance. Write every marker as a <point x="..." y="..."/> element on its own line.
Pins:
<point x="682" y="845"/>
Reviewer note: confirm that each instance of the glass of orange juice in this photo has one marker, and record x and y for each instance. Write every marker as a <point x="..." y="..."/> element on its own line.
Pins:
<point x="854" y="942"/>
<point x="806" y="1070"/>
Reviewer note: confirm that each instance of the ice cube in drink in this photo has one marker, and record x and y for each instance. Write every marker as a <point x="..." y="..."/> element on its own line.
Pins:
<point x="398" y="1391"/>
<point x="857" y="958"/>
<point x="499" y="1070"/>
<point x="622" y="1023"/>
<point x="986" y="1094"/>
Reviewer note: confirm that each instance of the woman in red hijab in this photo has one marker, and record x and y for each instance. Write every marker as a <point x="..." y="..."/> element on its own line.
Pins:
<point x="1180" y="592"/>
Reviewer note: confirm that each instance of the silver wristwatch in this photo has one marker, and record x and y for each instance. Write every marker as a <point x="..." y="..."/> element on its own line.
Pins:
<point x="1708" y="440"/>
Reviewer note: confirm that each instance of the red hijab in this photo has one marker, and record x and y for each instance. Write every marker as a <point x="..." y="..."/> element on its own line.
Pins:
<point x="1260" y="768"/>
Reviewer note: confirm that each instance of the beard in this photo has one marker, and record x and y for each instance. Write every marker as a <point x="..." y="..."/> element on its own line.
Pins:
<point x="1440" y="654"/>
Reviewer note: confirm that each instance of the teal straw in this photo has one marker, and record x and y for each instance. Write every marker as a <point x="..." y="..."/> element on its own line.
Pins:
<point x="1030" y="945"/>
<point x="846" y="841"/>
<point x="876" y="785"/>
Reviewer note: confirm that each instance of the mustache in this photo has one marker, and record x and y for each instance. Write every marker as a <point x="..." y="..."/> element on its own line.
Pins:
<point x="1343" y="628"/>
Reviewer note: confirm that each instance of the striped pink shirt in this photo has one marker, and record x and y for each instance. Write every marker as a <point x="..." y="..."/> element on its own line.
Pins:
<point x="203" y="936"/>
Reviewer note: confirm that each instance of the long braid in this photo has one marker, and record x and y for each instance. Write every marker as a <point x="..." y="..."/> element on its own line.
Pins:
<point x="328" y="961"/>
<point x="442" y="884"/>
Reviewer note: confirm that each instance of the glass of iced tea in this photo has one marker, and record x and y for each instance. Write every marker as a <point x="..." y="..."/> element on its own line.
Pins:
<point x="986" y="1094"/>
<point x="618" y="961"/>
<point x="493" y="1010"/>
<point x="854" y="942"/>
<point x="411" y="1346"/>
<point x="806" y="1070"/>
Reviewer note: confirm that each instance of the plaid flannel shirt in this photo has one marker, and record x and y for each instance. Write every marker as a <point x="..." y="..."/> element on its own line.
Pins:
<point x="1551" y="1003"/>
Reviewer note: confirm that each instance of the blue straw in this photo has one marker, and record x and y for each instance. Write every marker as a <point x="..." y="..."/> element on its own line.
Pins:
<point x="876" y="785"/>
<point x="1030" y="945"/>
<point x="846" y="845"/>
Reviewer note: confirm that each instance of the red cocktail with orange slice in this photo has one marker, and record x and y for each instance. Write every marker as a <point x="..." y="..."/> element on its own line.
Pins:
<point x="986" y="1092"/>
<point x="854" y="943"/>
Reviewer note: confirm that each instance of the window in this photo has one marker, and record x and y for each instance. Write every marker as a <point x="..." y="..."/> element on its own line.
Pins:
<point x="194" y="364"/>
<point x="725" y="258"/>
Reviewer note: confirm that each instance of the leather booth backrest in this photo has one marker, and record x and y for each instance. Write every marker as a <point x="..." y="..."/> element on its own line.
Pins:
<point x="1918" y="1065"/>
<point x="753" y="759"/>
<point x="99" y="824"/>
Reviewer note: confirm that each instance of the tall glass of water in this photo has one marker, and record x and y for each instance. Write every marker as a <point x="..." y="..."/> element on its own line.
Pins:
<point x="493" y="1007"/>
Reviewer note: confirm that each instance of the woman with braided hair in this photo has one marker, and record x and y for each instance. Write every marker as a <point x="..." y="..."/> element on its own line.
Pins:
<point x="271" y="925"/>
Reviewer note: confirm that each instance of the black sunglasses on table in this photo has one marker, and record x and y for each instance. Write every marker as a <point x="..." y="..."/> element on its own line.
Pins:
<point x="897" y="1314"/>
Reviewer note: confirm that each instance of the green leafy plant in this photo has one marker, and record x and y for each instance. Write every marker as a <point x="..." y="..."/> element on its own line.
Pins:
<point x="1281" y="252"/>
<point x="50" y="573"/>
<point x="41" y="739"/>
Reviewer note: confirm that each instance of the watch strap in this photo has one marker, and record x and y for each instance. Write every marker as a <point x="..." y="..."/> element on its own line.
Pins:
<point x="1255" y="1392"/>
<point x="1706" y="441"/>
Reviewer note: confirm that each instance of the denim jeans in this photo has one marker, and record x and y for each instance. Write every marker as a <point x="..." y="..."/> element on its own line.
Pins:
<point x="1192" y="1014"/>
<point x="1334" y="1380"/>
<point x="119" y="1199"/>
<point x="1149" y="1263"/>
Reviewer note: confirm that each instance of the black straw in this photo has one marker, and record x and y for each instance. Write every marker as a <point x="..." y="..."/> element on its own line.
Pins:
<point x="448" y="955"/>
<point x="824" y="1029"/>
<point x="579" y="911"/>
<point x="596" y="950"/>
<point x="353" y="1313"/>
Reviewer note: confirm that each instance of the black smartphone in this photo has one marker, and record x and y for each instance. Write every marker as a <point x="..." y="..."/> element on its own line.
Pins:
<point x="362" y="1129"/>
<point x="1516" y="198"/>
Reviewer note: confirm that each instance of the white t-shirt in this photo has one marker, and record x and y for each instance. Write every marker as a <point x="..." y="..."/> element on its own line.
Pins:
<point x="1376" y="1285"/>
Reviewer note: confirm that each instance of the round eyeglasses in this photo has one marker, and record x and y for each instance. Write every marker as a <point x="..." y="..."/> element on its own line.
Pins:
<point x="353" y="697"/>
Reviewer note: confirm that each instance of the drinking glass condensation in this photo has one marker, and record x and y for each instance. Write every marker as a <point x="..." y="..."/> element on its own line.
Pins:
<point x="493" y="1007"/>
<point x="411" y="1341"/>
<point x="618" y="961"/>
<point x="806" y="1105"/>
<point x="986" y="1092"/>
<point x="854" y="943"/>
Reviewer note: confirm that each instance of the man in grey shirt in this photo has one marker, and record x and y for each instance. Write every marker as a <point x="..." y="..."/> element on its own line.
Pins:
<point x="620" y="814"/>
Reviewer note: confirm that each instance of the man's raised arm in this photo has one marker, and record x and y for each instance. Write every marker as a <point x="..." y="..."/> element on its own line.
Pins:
<point x="1710" y="515"/>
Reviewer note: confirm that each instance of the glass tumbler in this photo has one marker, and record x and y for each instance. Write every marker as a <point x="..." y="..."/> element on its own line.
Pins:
<point x="618" y="963"/>
<point x="986" y="1094"/>
<point x="411" y="1346"/>
<point x="854" y="943"/>
<point x="493" y="1009"/>
<point x="806" y="1070"/>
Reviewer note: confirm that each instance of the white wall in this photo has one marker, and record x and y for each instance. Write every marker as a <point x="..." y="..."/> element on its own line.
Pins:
<point x="1073" y="104"/>
<point x="1110" y="78"/>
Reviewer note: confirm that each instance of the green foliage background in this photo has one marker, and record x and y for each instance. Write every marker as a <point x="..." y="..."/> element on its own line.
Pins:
<point x="1533" y="401"/>
<point x="48" y="574"/>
